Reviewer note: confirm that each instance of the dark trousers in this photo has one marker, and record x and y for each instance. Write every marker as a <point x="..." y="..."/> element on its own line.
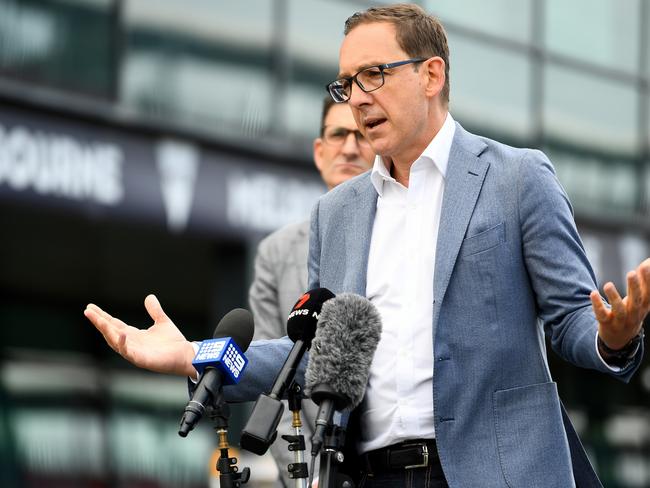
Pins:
<point x="410" y="464"/>
<point x="429" y="477"/>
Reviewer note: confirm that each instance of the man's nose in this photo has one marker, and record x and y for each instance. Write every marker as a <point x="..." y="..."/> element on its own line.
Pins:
<point x="350" y="145"/>
<point x="358" y="97"/>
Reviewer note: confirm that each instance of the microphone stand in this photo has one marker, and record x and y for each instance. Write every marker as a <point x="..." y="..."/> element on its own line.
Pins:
<point x="331" y="458"/>
<point x="298" y="469"/>
<point x="229" y="477"/>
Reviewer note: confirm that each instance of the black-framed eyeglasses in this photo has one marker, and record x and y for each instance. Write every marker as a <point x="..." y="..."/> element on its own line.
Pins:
<point x="336" y="136"/>
<point x="368" y="79"/>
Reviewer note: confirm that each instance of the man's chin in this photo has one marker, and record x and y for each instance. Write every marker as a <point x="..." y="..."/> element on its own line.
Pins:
<point x="343" y="176"/>
<point x="349" y="171"/>
<point x="379" y="145"/>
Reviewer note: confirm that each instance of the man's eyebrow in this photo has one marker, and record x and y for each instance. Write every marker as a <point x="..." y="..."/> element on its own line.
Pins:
<point x="365" y="66"/>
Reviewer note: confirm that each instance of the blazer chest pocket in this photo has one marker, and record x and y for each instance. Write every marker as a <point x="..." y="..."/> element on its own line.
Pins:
<point x="483" y="241"/>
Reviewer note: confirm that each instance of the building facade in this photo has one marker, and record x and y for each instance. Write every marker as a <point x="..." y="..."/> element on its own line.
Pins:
<point x="146" y="146"/>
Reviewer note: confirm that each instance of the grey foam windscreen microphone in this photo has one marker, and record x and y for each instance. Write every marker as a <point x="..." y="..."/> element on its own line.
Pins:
<point x="349" y="329"/>
<point x="260" y="430"/>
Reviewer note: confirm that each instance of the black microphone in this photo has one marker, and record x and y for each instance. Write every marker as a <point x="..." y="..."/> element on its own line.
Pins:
<point x="261" y="429"/>
<point x="221" y="361"/>
<point x="349" y="329"/>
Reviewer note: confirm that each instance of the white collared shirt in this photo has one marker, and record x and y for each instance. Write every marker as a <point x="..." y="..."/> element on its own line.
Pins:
<point x="399" y="401"/>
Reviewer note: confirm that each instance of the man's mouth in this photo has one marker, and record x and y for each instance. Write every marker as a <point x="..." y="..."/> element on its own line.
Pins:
<point x="374" y="122"/>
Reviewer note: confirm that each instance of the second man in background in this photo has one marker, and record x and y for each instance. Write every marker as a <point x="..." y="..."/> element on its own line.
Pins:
<point x="340" y="153"/>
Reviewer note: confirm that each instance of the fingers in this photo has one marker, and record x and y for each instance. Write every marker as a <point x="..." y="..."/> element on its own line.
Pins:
<point x="124" y="351"/>
<point x="634" y="293"/>
<point x="154" y="309"/>
<point x="112" y="329"/>
<point x="103" y="319"/>
<point x="625" y="317"/>
<point x="614" y="299"/>
<point x="600" y="309"/>
<point x="643" y="272"/>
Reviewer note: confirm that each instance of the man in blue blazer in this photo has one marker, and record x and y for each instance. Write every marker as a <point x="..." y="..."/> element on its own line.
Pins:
<point x="508" y="264"/>
<point x="469" y="250"/>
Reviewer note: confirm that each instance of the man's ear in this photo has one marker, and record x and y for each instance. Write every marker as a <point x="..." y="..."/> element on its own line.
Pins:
<point x="434" y="69"/>
<point x="318" y="154"/>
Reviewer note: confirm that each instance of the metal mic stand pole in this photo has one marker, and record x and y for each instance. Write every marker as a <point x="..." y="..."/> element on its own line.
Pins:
<point x="229" y="477"/>
<point x="331" y="458"/>
<point x="297" y="470"/>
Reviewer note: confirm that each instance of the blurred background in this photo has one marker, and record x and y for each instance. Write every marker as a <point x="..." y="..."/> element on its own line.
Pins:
<point x="147" y="145"/>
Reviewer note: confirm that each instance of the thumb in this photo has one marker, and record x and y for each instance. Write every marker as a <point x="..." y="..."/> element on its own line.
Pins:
<point x="154" y="309"/>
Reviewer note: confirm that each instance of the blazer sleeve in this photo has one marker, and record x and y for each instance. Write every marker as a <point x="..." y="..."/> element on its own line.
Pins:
<point x="263" y="295"/>
<point x="265" y="359"/>
<point x="558" y="267"/>
<point x="313" y="261"/>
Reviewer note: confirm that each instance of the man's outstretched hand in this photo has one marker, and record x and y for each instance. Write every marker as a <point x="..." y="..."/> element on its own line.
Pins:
<point x="618" y="325"/>
<point x="161" y="348"/>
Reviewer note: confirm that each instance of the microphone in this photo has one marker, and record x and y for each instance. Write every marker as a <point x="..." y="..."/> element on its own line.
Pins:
<point x="349" y="329"/>
<point x="219" y="361"/>
<point x="261" y="429"/>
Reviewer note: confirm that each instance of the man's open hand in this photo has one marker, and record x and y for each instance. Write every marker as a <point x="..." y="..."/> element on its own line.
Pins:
<point x="161" y="347"/>
<point x="618" y="325"/>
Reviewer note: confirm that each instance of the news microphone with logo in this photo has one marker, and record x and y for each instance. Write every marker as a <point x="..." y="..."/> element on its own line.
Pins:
<point x="261" y="429"/>
<point x="349" y="329"/>
<point x="219" y="361"/>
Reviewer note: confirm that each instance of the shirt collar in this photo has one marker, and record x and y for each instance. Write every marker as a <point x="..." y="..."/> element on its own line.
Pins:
<point x="437" y="151"/>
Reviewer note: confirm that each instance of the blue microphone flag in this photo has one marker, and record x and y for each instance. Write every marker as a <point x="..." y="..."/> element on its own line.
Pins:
<point x="223" y="354"/>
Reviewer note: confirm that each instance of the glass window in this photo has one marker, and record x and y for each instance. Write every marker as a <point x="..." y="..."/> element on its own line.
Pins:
<point x="596" y="184"/>
<point x="503" y="18"/>
<point x="207" y="65"/>
<point x="68" y="44"/>
<point x="315" y="32"/>
<point x="647" y="189"/>
<point x="646" y="41"/>
<point x="73" y="445"/>
<point x="605" y="32"/>
<point x="597" y="113"/>
<point x="647" y="119"/>
<point x="490" y="88"/>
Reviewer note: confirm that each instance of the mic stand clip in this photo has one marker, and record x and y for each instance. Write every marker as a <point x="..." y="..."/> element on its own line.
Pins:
<point x="298" y="470"/>
<point x="229" y="476"/>
<point x="331" y="458"/>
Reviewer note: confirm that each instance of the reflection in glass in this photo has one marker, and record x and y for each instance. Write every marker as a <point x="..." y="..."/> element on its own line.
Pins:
<point x="605" y="32"/>
<point x="54" y="441"/>
<point x="645" y="39"/>
<point x="67" y="44"/>
<point x="304" y="105"/>
<point x="503" y="18"/>
<point x="647" y="118"/>
<point x="597" y="113"/>
<point x="490" y="88"/>
<point x="206" y="65"/>
<point x="206" y="96"/>
<point x="596" y="184"/>
<point x="314" y="35"/>
<point x="646" y="203"/>
<point x="633" y="249"/>
<point x="148" y="447"/>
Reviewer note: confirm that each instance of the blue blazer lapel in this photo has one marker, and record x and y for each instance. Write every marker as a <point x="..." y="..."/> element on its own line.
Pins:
<point x="464" y="179"/>
<point x="359" y="215"/>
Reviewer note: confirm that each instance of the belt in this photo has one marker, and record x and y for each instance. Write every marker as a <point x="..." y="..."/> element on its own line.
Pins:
<point x="405" y="455"/>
